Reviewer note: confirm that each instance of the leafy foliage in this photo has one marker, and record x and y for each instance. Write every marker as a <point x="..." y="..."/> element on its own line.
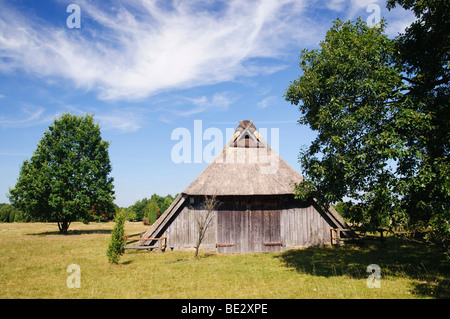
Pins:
<point x="151" y="211"/>
<point x="424" y="49"/>
<point x="7" y="213"/>
<point x="116" y="247"/>
<point x="149" y="208"/>
<point x="347" y="92"/>
<point x="66" y="179"/>
<point x="376" y="143"/>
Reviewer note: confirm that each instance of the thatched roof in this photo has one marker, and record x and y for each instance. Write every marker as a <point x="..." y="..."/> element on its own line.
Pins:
<point x="245" y="166"/>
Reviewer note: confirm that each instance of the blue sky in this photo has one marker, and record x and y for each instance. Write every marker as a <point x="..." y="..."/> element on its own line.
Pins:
<point x="145" y="68"/>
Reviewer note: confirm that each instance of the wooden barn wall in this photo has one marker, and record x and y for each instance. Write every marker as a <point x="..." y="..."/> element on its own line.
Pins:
<point x="252" y="224"/>
<point x="249" y="224"/>
<point x="182" y="232"/>
<point x="303" y="226"/>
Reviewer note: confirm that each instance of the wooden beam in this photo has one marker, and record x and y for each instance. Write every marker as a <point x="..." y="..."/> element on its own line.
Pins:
<point x="236" y="135"/>
<point x="141" y="247"/>
<point x="132" y="235"/>
<point x="246" y="128"/>
<point x="162" y="220"/>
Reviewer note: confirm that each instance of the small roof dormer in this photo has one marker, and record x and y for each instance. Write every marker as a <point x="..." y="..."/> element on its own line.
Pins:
<point x="246" y="136"/>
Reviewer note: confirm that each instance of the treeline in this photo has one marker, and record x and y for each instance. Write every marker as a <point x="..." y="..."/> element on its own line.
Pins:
<point x="9" y="214"/>
<point x="147" y="210"/>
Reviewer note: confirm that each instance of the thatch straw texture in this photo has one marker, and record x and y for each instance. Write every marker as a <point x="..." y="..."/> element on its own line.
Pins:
<point x="245" y="171"/>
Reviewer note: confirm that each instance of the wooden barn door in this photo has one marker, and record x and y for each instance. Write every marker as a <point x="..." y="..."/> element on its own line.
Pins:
<point x="248" y="225"/>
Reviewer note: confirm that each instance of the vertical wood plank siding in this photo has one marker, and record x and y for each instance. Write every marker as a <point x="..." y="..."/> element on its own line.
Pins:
<point x="253" y="224"/>
<point x="304" y="226"/>
<point x="182" y="232"/>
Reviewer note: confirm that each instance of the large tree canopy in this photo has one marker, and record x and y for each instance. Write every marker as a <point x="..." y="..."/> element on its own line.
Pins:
<point x="424" y="50"/>
<point x="67" y="178"/>
<point x="382" y="135"/>
<point x="351" y="94"/>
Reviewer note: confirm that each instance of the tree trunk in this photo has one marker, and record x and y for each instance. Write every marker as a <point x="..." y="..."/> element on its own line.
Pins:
<point x="196" y="252"/>
<point x="63" y="227"/>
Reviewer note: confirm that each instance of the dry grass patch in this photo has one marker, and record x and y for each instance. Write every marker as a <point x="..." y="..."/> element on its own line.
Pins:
<point x="35" y="257"/>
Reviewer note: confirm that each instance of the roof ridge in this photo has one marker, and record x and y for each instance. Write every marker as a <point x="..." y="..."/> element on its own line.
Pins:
<point x="245" y="170"/>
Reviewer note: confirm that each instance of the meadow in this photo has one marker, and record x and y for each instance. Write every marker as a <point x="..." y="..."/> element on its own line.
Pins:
<point x="34" y="259"/>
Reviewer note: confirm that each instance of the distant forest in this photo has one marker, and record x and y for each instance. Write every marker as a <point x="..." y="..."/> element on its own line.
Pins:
<point x="147" y="210"/>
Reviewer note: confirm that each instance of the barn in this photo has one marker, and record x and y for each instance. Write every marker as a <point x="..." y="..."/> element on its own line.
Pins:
<point x="257" y="210"/>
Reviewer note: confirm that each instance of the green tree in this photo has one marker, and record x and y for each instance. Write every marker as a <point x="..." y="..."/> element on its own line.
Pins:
<point x="424" y="49"/>
<point x="347" y="94"/>
<point x="371" y="146"/>
<point x="130" y="214"/>
<point x="7" y="213"/>
<point x="67" y="177"/>
<point x="116" y="247"/>
<point x="10" y="214"/>
<point x="166" y="203"/>
<point x="139" y="207"/>
<point x="151" y="211"/>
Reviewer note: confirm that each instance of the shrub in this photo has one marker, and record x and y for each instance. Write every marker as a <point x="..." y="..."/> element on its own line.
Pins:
<point x="117" y="246"/>
<point x="7" y="214"/>
<point x="12" y="216"/>
<point x="131" y="215"/>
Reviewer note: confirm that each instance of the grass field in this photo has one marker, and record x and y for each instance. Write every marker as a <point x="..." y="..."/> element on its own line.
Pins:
<point x="34" y="260"/>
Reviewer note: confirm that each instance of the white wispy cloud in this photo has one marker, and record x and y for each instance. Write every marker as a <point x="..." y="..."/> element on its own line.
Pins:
<point x="130" y="50"/>
<point x="140" y="48"/>
<point x="397" y="19"/>
<point x="335" y="5"/>
<point x="266" y="102"/>
<point x="218" y="102"/>
<point x="187" y="106"/>
<point x="121" y="121"/>
<point x="29" y="116"/>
